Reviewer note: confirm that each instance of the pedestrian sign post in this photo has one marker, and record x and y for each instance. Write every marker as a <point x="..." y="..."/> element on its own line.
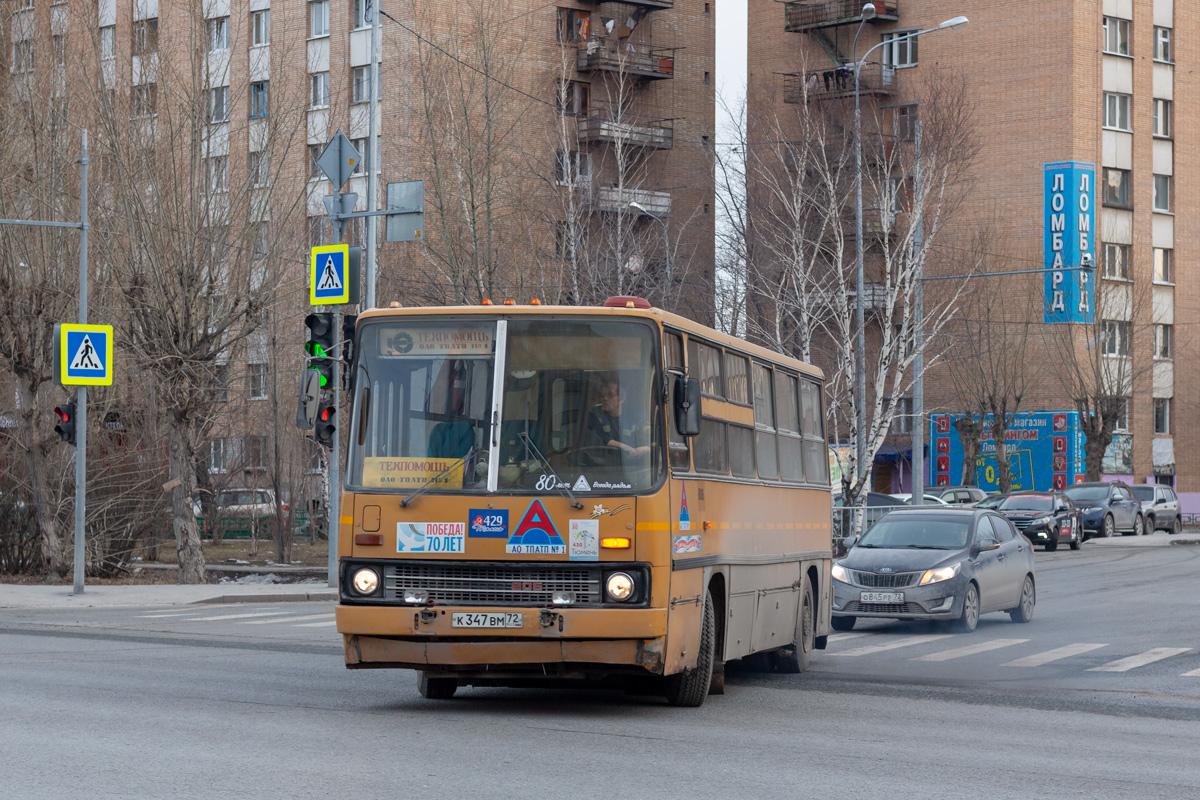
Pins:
<point x="333" y="275"/>
<point x="83" y="355"/>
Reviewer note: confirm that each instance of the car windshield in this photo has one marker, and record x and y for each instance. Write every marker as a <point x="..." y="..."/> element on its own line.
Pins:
<point x="1143" y="493"/>
<point x="578" y="407"/>
<point x="1026" y="502"/>
<point x="1084" y="494"/>
<point x="917" y="532"/>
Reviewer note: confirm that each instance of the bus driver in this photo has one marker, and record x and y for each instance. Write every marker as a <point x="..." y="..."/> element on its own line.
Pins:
<point x="603" y="424"/>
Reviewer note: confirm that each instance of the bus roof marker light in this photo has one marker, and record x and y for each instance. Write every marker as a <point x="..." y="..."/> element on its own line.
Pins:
<point x="626" y="301"/>
<point x="535" y="302"/>
<point x="487" y="302"/>
<point x="510" y="302"/>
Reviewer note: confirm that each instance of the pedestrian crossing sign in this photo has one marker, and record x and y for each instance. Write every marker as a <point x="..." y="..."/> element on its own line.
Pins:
<point x="328" y="276"/>
<point x="83" y="355"/>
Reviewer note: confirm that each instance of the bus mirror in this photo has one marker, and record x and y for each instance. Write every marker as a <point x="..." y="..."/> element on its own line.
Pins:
<point x="687" y="406"/>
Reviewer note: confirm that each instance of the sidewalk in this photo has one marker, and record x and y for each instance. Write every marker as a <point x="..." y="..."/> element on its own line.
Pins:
<point x="60" y="597"/>
<point x="1156" y="539"/>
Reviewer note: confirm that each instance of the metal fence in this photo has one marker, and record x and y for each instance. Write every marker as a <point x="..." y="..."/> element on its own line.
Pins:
<point x="844" y="523"/>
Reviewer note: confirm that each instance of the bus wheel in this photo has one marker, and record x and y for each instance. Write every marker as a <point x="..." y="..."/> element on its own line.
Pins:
<point x="436" y="688"/>
<point x="794" y="659"/>
<point x="690" y="687"/>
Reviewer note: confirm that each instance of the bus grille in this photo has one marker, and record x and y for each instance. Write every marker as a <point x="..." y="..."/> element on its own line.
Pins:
<point x="492" y="584"/>
<point x="876" y="581"/>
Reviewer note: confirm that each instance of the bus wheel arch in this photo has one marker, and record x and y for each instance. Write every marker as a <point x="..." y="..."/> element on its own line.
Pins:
<point x="716" y="588"/>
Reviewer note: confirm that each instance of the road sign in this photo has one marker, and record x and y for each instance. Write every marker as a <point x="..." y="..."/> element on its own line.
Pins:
<point x="339" y="160"/>
<point x="406" y="211"/>
<point x="83" y="355"/>
<point x="329" y="275"/>
<point x="339" y="207"/>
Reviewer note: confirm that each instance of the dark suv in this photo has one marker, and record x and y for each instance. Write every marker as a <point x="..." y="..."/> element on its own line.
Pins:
<point x="1045" y="518"/>
<point x="1107" y="508"/>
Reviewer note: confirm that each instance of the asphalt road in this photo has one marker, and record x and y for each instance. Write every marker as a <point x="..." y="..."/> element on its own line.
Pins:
<point x="253" y="701"/>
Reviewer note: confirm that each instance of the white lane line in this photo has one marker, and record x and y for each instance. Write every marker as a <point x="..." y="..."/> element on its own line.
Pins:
<point x="316" y="624"/>
<point x="1058" y="653"/>
<point x="164" y="616"/>
<point x="239" y="616"/>
<point x="1193" y="674"/>
<point x="282" y="620"/>
<point x="905" y="641"/>
<point x="970" y="650"/>
<point x="1140" y="660"/>
<point x="841" y="637"/>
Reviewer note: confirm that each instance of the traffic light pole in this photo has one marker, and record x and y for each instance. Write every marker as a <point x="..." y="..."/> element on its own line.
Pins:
<point x="81" y="427"/>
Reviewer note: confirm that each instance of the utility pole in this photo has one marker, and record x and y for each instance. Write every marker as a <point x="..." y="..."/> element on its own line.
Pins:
<point x="918" y="415"/>
<point x="372" y="156"/>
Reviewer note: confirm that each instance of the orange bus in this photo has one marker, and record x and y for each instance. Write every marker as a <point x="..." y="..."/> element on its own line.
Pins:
<point x="614" y="494"/>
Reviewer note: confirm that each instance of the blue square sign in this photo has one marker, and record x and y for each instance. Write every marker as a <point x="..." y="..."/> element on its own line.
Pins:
<point x="328" y="275"/>
<point x="84" y="355"/>
<point x="488" y="523"/>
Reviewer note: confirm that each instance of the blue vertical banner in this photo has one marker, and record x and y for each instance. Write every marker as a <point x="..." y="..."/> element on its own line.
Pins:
<point x="1070" y="219"/>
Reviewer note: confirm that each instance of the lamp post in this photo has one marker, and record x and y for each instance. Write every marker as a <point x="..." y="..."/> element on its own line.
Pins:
<point x="636" y="206"/>
<point x="860" y="369"/>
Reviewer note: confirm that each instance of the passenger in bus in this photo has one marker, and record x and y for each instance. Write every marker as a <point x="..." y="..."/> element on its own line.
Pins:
<point x="454" y="437"/>
<point x="603" y="423"/>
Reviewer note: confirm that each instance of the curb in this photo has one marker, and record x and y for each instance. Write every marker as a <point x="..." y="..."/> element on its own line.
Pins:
<point x="296" y="597"/>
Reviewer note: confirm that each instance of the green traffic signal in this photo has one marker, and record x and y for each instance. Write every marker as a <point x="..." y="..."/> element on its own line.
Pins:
<point x="315" y="350"/>
<point x="324" y="368"/>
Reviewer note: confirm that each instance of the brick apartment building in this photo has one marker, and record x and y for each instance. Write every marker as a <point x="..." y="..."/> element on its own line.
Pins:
<point x="1099" y="88"/>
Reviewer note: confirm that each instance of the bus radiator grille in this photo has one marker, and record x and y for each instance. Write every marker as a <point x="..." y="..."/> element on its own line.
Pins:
<point x="492" y="585"/>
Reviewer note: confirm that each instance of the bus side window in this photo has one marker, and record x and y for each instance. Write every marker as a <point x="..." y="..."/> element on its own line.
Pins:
<point x="680" y="451"/>
<point x="764" y="425"/>
<point x="787" y="410"/>
<point x="816" y="462"/>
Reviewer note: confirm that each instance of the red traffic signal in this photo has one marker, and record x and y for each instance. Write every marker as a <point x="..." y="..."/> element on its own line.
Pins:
<point x="66" y="422"/>
<point x="326" y="427"/>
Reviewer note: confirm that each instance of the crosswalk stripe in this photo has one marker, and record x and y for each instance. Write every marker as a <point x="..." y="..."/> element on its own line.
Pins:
<point x="316" y="624"/>
<point x="906" y="641"/>
<point x="1058" y="653"/>
<point x="164" y="616"/>
<point x="970" y="650"/>
<point x="285" y="620"/>
<point x="1140" y="660"/>
<point x="1193" y="674"/>
<point x="841" y="637"/>
<point x="238" y="616"/>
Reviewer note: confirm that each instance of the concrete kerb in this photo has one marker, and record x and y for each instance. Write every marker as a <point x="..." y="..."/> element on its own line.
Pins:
<point x="1156" y="539"/>
<point x="14" y="596"/>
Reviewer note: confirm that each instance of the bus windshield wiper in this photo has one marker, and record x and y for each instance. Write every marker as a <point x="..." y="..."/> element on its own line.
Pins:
<point x="564" y="490"/>
<point x="421" y="489"/>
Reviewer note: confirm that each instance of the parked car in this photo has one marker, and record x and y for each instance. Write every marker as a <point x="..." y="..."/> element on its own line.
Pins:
<point x="1160" y="507"/>
<point x="936" y="564"/>
<point x="873" y="499"/>
<point x="960" y="495"/>
<point x="1107" y="508"/>
<point x="930" y="499"/>
<point x="1046" y="518"/>
<point x="247" y="503"/>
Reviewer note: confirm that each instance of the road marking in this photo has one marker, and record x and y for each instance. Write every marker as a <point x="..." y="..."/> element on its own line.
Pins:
<point x="841" y="637"/>
<point x="1140" y="660"/>
<point x="905" y="641"/>
<point x="239" y="616"/>
<point x="316" y="624"/>
<point x="278" y="620"/>
<point x="1193" y="674"/>
<point x="1058" y="653"/>
<point x="970" y="650"/>
<point x="164" y="616"/>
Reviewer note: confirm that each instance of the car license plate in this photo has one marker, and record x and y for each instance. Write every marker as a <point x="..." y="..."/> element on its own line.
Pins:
<point x="467" y="619"/>
<point x="881" y="597"/>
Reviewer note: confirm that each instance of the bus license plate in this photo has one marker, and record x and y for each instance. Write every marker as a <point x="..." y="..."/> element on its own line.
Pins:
<point x="466" y="619"/>
<point x="881" y="597"/>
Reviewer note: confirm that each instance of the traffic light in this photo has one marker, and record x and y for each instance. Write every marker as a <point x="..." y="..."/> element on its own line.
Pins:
<point x="326" y="427"/>
<point x="319" y="346"/>
<point x="348" y="323"/>
<point x="66" y="422"/>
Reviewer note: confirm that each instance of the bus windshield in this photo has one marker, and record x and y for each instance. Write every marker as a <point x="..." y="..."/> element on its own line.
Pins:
<point x="578" y="408"/>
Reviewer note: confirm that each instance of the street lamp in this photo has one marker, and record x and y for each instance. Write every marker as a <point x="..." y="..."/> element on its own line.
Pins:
<point x="636" y="206"/>
<point x="860" y="368"/>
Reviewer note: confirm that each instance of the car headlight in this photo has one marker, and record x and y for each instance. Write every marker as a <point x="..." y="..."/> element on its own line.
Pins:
<point x="1093" y="509"/>
<point x="619" y="586"/>
<point x="365" y="581"/>
<point x="839" y="573"/>
<point x="940" y="574"/>
<point x="1040" y="521"/>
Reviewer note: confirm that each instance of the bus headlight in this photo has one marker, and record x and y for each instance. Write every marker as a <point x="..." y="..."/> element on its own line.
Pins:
<point x="365" y="581"/>
<point x="619" y="587"/>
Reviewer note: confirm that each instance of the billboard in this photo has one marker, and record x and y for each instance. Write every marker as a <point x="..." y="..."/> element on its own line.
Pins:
<point x="1045" y="451"/>
<point x="1070" y="219"/>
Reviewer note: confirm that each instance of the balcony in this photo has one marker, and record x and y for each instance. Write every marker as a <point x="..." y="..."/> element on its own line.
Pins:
<point x="804" y="15"/>
<point x="626" y="58"/>
<point x="836" y="82"/>
<point x="605" y="126"/>
<point x="646" y="3"/>
<point x="616" y="199"/>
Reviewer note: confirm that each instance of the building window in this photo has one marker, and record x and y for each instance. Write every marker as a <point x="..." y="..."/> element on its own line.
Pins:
<point x="573" y="168"/>
<point x="258" y="166"/>
<point x="1162" y="192"/>
<point x="218" y="34"/>
<point x="1116" y="261"/>
<point x="361" y="88"/>
<point x="568" y="240"/>
<point x="1163" y="51"/>
<point x="320" y="231"/>
<point x="1121" y="422"/>
<point x="906" y="122"/>
<point x="900" y="50"/>
<point x="1162" y="341"/>
<point x="573" y="98"/>
<point x="573" y="25"/>
<point x="221" y="383"/>
<point x="216" y="174"/>
<point x="145" y="36"/>
<point x="1164" y="269"/>
<point x="314" y="155"/>
<point x="58" y="49"/>
<point x="255" y="452"/>
<point x="260" y="28"/>
<point x="318" y="15"/>
<point x="258" y="381"/>
<point x="360" y="13"/>
<point x="108" y="41"/>
<point x="319" y="85"/>
<point x="1116" y="188"/>
<point x="22" y="56"/>
<point x="260" y="240"/>
<point x="1162" y="118"/>
<point x="902" y="419"/>
<point x="1162" y="415"/>
<point x="1116" y="111"/>
<point x="145" y="100"/>
<point x="1115" y="337"/>
<point x="260" y="95"/>
<point x="216" y="456"/>
<point x="219" y="104"/>
<point x="1116" y="36"/>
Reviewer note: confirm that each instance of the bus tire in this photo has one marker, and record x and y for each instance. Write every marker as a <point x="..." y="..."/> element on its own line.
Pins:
<point x="436" y="688"/>
<point x="794" y="660"/>
<point x="689" y="688"/>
